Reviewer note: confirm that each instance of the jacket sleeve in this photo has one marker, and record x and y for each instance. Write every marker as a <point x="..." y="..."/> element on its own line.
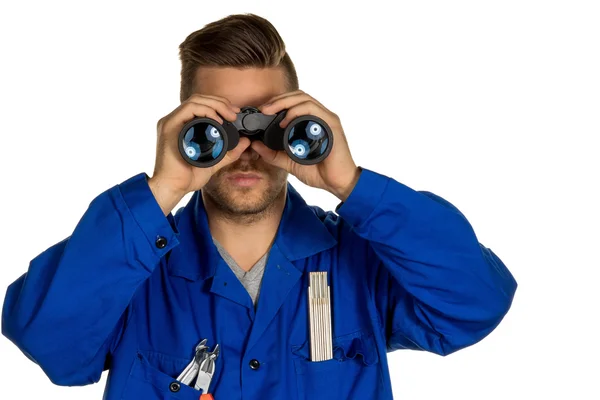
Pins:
<point x="435" y="287"/>
<point x="67" y="312"/>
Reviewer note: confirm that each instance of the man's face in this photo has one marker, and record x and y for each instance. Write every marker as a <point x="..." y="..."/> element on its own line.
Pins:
<point x="244" y="87"/>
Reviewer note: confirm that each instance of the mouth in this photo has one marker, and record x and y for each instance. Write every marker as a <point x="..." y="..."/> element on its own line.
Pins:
<point x="245" y="180"/>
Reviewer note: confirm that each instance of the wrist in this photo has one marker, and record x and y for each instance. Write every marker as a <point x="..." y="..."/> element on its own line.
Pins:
<point x="166" y="197"/>
<point x="343" y="191"/>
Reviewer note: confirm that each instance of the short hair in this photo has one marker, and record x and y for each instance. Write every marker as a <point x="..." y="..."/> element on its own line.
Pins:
<point x="238" y="41"/>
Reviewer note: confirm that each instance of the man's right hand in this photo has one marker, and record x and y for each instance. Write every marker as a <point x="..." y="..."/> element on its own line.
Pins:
<point x="173" y="177"/>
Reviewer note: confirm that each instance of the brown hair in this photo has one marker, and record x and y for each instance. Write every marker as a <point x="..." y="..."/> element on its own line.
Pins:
<point x="239" y="41"/>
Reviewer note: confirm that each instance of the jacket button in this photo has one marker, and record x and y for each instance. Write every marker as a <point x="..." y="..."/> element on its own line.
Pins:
<point x="161" y="242"/>
<point x="254" y="364"/>
<point x="174" y="387"/>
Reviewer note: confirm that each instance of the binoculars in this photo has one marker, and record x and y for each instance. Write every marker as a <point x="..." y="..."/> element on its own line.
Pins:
<point x="307" y="139"/>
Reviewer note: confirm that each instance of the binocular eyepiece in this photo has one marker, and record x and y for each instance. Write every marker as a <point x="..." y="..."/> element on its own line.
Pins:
<point x="307" y="139"/>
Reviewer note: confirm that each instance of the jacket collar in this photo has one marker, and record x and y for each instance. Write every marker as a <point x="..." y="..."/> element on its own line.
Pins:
<point x="301" y="234"/>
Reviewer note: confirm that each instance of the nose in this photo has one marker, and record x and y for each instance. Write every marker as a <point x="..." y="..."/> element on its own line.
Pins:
<point x="249" y="155"/>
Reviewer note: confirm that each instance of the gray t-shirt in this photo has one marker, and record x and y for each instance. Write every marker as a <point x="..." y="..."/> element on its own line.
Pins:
<point x="252" y="279"/>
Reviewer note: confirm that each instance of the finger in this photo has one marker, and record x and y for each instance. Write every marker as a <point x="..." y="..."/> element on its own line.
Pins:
<point x="196" y="97"/>
<point x="224" y="109"/>
<point x="185" y="113"/>
<point x="234" y="153"/>
<point x="306" y="108"/>
<point x="279" y="159"/>
<point x="283" y="103"/>
<point x="190" y="110"/>
<point x="288" y="102"/>
<point x="280" y="96"/>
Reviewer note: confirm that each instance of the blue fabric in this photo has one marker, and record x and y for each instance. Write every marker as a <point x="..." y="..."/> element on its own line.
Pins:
<point x="405" y="268"/>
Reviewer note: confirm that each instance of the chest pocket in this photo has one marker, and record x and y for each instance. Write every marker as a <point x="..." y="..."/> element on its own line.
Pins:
<point x="153" y="376"/>
<point x="353" y="372"/>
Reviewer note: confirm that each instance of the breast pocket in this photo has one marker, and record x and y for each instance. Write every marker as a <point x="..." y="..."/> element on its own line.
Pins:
<point x="153" y="376"/>
<point x="354" y="371"/>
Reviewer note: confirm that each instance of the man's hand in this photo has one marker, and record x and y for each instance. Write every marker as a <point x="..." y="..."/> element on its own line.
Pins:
<point x="173" y="177"/>
<point x="338" y="173"/>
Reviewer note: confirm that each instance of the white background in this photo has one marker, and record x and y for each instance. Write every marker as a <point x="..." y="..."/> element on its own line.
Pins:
<point x="493" y="105"/>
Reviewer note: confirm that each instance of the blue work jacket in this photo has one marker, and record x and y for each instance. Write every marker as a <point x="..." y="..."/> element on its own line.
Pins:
<point x="133" y="291"/>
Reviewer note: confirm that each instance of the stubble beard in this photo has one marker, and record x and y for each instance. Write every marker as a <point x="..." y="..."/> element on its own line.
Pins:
<point x="247" y="205"/>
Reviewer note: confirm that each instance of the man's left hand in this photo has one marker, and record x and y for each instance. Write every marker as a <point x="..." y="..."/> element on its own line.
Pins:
<point x="337" y="173"/>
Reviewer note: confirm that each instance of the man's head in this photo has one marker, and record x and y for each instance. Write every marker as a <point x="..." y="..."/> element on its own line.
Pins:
<point x="241" y="58"/>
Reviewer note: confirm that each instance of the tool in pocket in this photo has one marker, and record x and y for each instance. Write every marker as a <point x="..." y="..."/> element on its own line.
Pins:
<point x="201" y="368"/>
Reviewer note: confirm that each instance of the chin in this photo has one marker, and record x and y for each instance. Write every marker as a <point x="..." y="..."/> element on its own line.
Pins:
<point x="242" y="200"/>
<point x="243" y="204"/>
<point x="238" y="199"/>
<point x="248" y="194"/>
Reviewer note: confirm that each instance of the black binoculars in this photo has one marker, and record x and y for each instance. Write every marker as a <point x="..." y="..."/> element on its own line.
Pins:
<point x="307" y="139"/>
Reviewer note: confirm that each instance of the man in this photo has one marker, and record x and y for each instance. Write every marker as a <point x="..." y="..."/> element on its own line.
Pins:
<point x="135" y="288"/>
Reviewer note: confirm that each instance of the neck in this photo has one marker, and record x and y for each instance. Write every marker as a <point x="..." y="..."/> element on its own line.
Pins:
<point x="245" y="237"/>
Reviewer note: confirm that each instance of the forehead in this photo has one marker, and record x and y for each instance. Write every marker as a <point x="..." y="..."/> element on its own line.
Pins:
<point x="242" y="87"/>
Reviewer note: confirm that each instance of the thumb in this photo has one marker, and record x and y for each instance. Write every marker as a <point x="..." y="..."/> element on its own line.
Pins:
<point x="277" y="158"/>
<point x="234" y="153"/>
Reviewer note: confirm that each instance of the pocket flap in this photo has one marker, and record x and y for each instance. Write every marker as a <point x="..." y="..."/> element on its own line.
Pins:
<point x="360" y="345"/>
<point x="153" y="375"/>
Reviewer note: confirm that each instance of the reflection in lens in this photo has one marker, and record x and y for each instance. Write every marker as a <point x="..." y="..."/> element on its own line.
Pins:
<point x="217" y="149"/>
<point x="307" y="140"/>
<point x="203" y="142"/>
<point x="189" y="134"/>
<point x="192" y="150"/>
<point x="314" y="130"/>
<point x="299" y="148"/>
<point x="212" y="133"/>
<point x="324" y="146"/>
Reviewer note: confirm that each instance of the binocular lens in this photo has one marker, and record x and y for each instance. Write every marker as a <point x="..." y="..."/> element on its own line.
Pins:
<point x="203" y="142"/>
<point x="307" y="140"/>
